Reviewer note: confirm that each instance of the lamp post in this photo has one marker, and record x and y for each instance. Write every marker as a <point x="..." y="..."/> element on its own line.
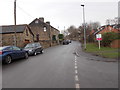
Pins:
<point x="84" y="28"/>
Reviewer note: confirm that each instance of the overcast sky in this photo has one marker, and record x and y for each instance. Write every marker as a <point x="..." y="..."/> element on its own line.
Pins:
<point x="60" y="13"/>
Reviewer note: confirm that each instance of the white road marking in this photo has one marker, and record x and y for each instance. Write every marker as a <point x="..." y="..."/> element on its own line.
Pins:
<point x="77" y="85"/>
<point x="76" y="78"/>
<point x="75" y="58"/>
<point x="76" y="71"/>
<point x="75" y="67"/>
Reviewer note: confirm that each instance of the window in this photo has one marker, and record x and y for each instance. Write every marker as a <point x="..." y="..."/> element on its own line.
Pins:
<point x="45" y="29"/>
<point x="16" y="48"/>
<point x="8" y="48"/>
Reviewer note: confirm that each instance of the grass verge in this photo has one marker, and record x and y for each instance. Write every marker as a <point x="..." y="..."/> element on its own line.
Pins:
<point x="103" y="51"/>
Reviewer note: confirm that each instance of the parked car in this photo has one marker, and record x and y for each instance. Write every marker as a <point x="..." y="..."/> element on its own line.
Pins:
<point x="34" y="48"/>
<point x="69" y="41"/>
<point x="9" y="53"/>
<point x="65" y="42"/>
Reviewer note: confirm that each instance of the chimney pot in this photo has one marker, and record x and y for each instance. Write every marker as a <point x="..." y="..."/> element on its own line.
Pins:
<point x="48" y="22"/>
<point x="41" y="19"/>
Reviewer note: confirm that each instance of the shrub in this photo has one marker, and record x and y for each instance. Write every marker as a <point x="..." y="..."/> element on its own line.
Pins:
<point x="109" y="37"/>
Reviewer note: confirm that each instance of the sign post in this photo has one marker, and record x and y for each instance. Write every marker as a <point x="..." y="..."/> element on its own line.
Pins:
<point x="99" y="43"/>
<point x="98" y="38"/>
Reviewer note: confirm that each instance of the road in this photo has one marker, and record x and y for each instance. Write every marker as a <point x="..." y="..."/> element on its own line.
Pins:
<point x="59" y="67"/>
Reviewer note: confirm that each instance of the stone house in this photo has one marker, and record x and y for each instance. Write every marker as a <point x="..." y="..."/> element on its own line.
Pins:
<point x="44" y="32"/>
<point x="23" y="35"/>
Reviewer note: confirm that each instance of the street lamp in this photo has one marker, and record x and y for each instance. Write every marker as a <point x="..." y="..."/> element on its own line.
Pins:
<point x="84" y="28"/>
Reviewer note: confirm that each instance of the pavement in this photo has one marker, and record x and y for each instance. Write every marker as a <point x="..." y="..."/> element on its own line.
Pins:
<point x="60" y="67"/>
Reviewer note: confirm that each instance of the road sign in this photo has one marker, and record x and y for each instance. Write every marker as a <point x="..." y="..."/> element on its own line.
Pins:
<point x="98" y="37"/>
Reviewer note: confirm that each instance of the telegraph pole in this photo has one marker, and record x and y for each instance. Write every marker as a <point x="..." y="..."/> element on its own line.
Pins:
<point x="15" y="40"/>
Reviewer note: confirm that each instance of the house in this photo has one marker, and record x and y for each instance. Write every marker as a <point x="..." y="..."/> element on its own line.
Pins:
<point x="44" y="33"/>
<point x="23" y="35"/>
<point x="108" y="28"/>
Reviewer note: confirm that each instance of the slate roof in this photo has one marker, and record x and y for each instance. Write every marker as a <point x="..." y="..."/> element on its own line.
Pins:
<point x="10" y="29"/>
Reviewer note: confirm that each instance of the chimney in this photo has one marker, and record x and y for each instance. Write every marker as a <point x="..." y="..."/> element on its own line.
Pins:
<point x="48" y="22"/>
<point x="41" y="19"/>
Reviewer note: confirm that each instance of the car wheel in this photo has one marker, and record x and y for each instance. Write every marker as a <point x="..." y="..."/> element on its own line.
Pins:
<point x="26" y="55"/>
<point x="8" y="59"/>
<point x="35" y="53"/>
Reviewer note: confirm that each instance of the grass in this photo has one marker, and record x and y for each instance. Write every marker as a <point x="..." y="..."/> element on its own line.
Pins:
<point x="103" y="51"/>
<point x="110" y="55"/>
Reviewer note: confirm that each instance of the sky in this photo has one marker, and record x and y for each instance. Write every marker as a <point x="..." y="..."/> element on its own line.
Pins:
<point x="60" y="13"/>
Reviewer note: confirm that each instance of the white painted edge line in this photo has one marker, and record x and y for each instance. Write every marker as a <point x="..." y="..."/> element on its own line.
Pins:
<point x="77" y="85"/>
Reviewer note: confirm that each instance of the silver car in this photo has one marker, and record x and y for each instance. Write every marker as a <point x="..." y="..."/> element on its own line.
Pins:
<point x="34" y="48"/>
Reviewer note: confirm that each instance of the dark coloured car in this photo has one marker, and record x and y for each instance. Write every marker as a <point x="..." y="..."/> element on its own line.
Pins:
<point x="70" y="41"/>
<point x="9" y="53"/>
<point x="65" y="42"/>
<point x="34" y="48"/>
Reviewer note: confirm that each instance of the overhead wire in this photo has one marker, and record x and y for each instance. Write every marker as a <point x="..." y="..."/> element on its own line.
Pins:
<point x="24" y="11"/>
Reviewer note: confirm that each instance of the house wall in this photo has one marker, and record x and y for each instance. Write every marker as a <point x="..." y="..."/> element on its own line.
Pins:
<point x="39" y="30"/>
<point x="115" y="44"/>
<point x="27" y="37"/>
<point x="37" y="27"/>
<point x="8" y="39"/>
<point x="56" y="33"/>
<point x="45" y="37"/>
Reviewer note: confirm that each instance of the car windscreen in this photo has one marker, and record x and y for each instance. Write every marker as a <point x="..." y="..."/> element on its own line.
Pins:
<point x="29" y="46"/>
